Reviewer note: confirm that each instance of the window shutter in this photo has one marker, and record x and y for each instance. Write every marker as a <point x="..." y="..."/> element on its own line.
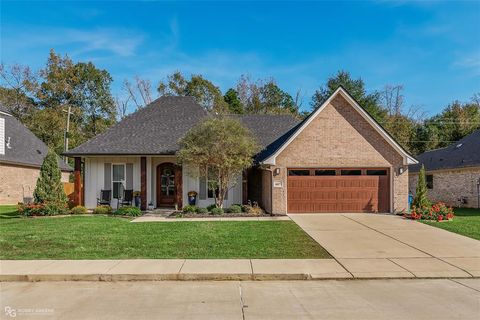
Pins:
<point x="202" y="194"/>
<point x="107" y="180"/>
<point x="129" y="176"/>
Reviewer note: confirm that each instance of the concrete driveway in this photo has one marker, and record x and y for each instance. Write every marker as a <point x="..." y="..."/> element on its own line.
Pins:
<point x="379" y="245"/>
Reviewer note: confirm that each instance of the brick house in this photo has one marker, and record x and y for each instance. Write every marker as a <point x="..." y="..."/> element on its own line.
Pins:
<point x="338" y="159"/>
<point x="21" y="156"/>
<point x="452" y="173"/>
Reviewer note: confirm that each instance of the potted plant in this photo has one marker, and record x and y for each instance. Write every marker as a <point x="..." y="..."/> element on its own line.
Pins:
<point x="192" y="198"/>
<point x="136" y="195"/>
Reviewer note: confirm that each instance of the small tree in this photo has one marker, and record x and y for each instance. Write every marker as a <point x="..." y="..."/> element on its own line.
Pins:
<point x="221" y="148"/>
<point x="49" y="187"/>
<point x="421" y="199"/>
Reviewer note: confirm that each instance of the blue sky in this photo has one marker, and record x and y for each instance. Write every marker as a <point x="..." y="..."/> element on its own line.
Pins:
<point x="432" y="48"/>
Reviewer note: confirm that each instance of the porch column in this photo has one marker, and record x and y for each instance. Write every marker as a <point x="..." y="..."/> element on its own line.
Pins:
<point x="178" y="187"/>
<point x="77" y="185"/>
<point x="245" y="186"/>
<point x="143" y="183"/>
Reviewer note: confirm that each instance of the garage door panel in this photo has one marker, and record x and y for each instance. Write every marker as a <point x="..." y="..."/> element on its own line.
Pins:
<point x="338" y="193"/>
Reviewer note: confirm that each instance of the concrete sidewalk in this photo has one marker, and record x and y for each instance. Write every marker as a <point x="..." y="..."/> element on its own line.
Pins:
<point x="224" y="269"/>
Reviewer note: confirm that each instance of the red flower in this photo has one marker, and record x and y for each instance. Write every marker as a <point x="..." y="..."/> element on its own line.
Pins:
<point x="440" y="218"/>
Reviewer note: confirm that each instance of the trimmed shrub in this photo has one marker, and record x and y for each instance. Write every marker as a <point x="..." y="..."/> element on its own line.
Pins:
<point x="210" y="207"/>
<point x="43" y="209"/>
<point x="128" y="211"/>
<point x="235" y="208"/>
<point x="190" y="209"/>
<point x="253" y="210"/>
<point x="421" y="199"/>
<point x="49" y="188"/>
<point x="216" y="211"/>
<point x="102" y="210"/>
<point x="202" y="210"/>
<point x="79" y="210"/>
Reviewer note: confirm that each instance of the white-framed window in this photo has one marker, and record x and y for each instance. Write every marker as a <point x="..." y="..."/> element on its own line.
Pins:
<point x="118" y="180"/>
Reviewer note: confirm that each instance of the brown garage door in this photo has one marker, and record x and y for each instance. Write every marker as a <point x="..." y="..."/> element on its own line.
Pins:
<point x="338" y="190"/>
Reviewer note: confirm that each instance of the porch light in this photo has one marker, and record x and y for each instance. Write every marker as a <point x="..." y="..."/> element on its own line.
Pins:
<point x="276" y="171"/>
<point x="400" y="170"/>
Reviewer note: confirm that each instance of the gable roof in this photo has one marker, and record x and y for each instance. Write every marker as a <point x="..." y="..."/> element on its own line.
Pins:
<point x="24" y="147"/>
<point x="270" y="156"/>
<point x="157" y="128"/>
<point x="462" y="154"/>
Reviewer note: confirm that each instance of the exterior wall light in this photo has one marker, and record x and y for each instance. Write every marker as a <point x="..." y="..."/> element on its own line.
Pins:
<point x="276" y="171"/>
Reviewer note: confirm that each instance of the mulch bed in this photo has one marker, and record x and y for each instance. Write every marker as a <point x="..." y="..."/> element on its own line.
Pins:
<point x="179" y="215"/>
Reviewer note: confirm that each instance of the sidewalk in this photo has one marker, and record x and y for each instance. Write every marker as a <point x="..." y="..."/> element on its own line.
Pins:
<point x="216" y="269"/>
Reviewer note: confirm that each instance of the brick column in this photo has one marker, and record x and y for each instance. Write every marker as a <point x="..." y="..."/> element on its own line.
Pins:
<point x="77" y="186"/>
<point x="143" y="183"/>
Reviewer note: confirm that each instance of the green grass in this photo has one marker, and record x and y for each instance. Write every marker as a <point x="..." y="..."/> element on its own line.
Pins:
<point x="105" y="237"/>
<point x="8" y="212"/>
<point x="466" y="222"/>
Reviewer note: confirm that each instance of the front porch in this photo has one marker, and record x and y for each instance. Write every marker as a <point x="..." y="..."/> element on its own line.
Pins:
<point x="159" y="180"/>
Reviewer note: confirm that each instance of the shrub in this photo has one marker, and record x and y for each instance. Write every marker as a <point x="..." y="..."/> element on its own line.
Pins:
<point x="210" y="207"/>
<point x="102" y="210"/>
<point x="190" y="209"/>
<point x="49" y="188"/>
<point x="253" y="210"/>
<point x="216" y="211"/>
<point x="421" y="199"/>
<point x="438" y="211"/>
<point x="79" y="210"/>
<point x="43" y="209"/>
<point x="128" y="211"/>
<point x="235" y="208"/>
<point x="202" y="210"/>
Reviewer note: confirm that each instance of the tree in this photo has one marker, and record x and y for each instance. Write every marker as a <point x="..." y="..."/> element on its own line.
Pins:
<point x="202" y="90"/>
<point x="233" y="102"/>
<point x="221" y="148"/>
<point x="49" y="188"/>
<point x="370" y="102"/>
<point x="265" y="97"/>
<point x="421" y="199"/>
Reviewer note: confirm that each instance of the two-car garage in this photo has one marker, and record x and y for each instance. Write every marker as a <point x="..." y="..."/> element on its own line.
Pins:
<point x="321" y="190"/>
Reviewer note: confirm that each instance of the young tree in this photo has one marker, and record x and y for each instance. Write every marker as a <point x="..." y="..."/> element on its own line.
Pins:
<point x="421" y="199"/>
<point x="234" y="103"/>
<point x="49" y="188"/>
<point x="221" y="148"/>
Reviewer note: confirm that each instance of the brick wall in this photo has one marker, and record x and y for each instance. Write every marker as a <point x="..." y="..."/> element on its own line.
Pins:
<point x="340" y="137"/>
<point x="17" y="182"/>
<point x="450" y="185"/>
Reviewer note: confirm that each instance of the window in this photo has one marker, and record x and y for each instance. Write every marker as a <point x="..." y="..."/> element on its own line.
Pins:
<point x="375" y="172"/>
<point x="351" y="172"/>
<point x="118" y="180"/>
<point x="429" y="178"/>
<point x="298" y="172"/>
<point x="324" y="172"/>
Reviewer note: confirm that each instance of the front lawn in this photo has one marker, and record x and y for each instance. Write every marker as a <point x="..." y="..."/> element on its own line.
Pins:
<point x="466" y="222"/>
<point x="8" y="212"/>
<point x="106" y="237"/>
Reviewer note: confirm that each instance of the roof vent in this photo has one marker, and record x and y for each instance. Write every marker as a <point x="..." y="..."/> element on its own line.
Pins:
<point x="39" y="152"/>
<point x="458" y="145"/>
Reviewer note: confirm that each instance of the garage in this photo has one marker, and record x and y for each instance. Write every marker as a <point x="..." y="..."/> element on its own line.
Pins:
<point x="322" y="190"/>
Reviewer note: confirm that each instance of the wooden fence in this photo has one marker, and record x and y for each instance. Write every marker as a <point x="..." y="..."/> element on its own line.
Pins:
<point x="69" y="187"/>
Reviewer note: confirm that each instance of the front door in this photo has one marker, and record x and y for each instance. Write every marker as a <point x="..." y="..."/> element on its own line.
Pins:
<point x="166" y="185"/>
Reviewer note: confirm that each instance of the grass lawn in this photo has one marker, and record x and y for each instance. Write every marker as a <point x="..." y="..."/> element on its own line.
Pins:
<point x="104" y="237"/>
<point x="466" y="222"/>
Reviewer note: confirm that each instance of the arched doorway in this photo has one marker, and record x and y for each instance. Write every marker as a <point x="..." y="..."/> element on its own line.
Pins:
<point x="166" y="188"/>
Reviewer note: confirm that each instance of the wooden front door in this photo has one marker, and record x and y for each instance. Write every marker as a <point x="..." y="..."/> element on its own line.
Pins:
<point x="166" y="189"/>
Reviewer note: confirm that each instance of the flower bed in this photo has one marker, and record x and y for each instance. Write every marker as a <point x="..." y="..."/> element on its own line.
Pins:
<point x="438" y="212"/>
<point x="235" y="210"/>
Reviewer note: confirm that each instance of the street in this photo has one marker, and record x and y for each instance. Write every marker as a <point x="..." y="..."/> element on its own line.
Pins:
<point x="332" y="299"/>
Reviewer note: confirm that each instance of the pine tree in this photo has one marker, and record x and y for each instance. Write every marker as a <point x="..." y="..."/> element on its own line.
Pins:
<point x="421" y="199"/>
<point x="49" y="187"/>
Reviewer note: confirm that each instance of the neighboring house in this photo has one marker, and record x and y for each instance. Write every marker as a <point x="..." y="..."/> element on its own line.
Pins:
<point x="21" y="156"/>
<point x="336" y="160"/>
<point x="452" y="173"/>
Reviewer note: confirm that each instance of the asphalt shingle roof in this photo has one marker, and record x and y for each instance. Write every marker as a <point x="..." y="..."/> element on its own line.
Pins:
<point x="24" y="147"/>
<point x="157" y="128"/>
<point x="464" y="153"/>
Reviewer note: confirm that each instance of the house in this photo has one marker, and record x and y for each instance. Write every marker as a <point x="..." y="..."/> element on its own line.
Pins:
<point x="452" y="173"/>
<point x="21" y="156"/>
<point x="336" y="160"/>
